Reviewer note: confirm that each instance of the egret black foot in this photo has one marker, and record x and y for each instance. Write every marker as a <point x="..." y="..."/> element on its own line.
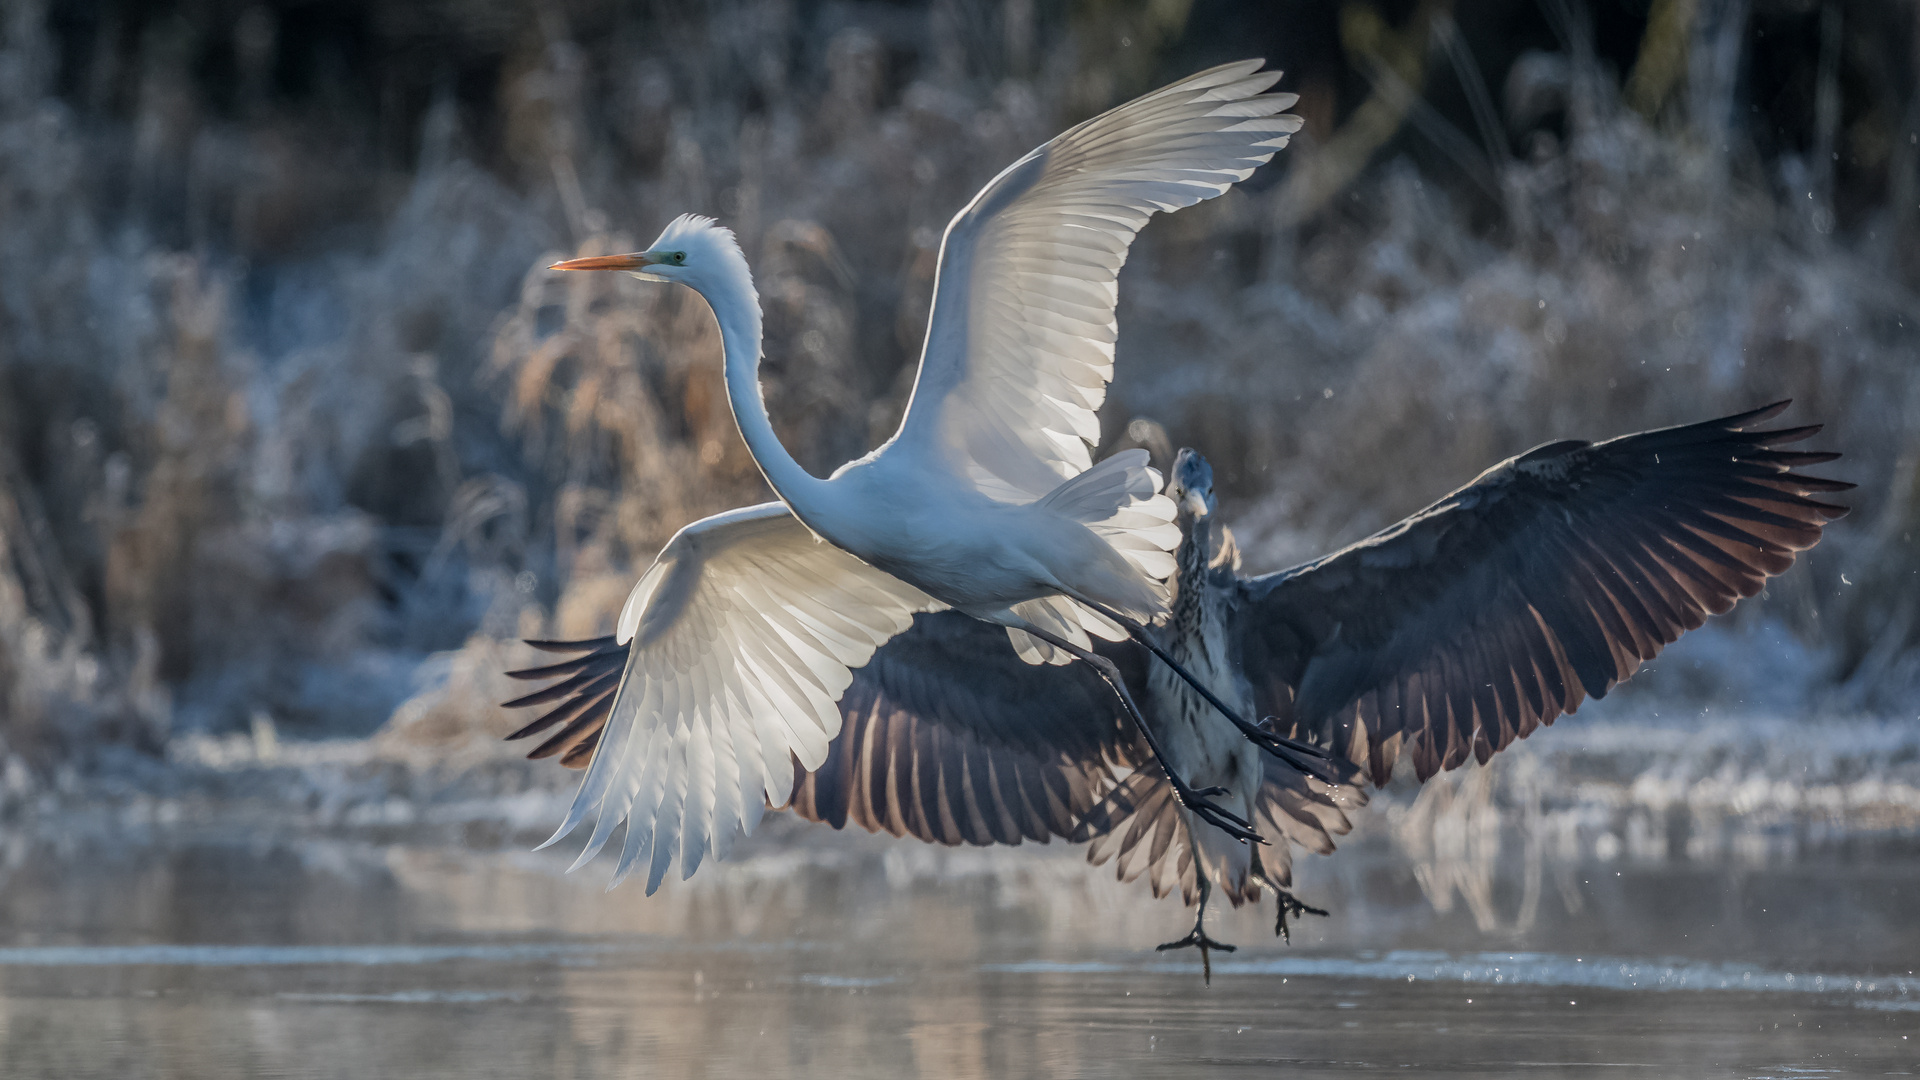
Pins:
<point x="1199" y="940"/>
<point x="1290" y="905"/>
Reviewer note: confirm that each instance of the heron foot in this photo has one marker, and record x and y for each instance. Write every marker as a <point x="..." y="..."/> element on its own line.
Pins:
<point x="1290" y="905"/>
<point x="1305" y="757"/>
<point x="1213" y="813"/>
<point x="1199" y="940"/>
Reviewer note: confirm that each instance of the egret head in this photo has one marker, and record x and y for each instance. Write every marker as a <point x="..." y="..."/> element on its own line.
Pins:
<point x="694" y="251"/>
<point x="1191" y="486"/>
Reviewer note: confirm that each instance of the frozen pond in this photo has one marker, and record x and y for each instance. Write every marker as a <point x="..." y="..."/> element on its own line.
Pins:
<point x="213" y="956"/>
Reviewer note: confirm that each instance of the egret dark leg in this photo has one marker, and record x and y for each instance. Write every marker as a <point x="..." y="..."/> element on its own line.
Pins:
<point x="1278" y="745"/>
<point x="1197" y="801"/>
<point x="1289" y="903"/>
<point x="1199" y="939"/>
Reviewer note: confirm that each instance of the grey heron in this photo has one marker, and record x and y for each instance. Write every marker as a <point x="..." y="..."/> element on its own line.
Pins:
<point x="986" y="501"/>
<point x="1548" y="579"/>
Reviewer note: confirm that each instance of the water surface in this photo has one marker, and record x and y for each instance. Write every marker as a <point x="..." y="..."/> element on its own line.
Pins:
<point x="229" y="955"/>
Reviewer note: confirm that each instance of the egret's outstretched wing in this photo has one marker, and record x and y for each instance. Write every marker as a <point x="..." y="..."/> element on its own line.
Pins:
<point x="945" y="735"/>
<point x="1020" y="342"/>
<point x="741" y="639"/>
<point x="1551" y="577"/>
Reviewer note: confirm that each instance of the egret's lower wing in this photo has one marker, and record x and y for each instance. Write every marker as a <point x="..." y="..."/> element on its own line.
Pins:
<point x="741" y="639"/>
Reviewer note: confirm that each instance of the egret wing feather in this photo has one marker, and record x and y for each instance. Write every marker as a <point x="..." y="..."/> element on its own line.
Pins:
<point x="737" y="651"/>
<point x="1042" y="746"/>
<point x="1020" y="342"/>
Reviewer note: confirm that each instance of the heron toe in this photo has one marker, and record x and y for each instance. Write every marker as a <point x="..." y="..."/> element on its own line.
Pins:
<point x="1290" y="905"/>
<point x="1199" y="940"/>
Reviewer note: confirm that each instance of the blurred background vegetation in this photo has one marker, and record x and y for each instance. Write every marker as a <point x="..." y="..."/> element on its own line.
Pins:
<point x="295" y="430"/>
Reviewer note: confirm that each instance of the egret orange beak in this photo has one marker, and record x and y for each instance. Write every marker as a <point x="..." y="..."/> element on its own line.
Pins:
<point x="639" y="260"/>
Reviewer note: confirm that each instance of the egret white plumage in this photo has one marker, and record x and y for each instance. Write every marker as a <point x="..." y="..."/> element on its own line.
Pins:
<point x="986" y="500"/>
<point x="1550" y="578"/>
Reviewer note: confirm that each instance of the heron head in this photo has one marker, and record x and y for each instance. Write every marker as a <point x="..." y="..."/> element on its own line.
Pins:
<point x="693" y="250"/>
<point x="1191" y="486"/>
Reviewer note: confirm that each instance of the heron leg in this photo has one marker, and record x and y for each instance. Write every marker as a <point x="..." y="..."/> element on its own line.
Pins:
<point x="1195" y="800"/>
<point x="1289" y="903"/>
<point x="1288" y="750"/>
<point x="1199" y="939"/>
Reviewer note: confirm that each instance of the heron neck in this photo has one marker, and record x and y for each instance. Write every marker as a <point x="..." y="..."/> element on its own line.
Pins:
<point x="1193" y="554"/>
<point x="736" y="306"/>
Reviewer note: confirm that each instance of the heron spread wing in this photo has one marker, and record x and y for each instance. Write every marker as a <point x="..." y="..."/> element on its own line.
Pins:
<point x="1140" y="827"/>
<point x="951" y="738"/>
<point x="1020" y="343"/>
<point x="1550" y="578"/>
<point x="740" y="637"/>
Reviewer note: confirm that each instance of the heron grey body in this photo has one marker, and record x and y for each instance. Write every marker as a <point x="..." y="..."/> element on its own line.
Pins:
<point x="1198" y="742"/>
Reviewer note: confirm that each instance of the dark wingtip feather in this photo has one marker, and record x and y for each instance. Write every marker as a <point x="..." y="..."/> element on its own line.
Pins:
<point x="1784" y="435"/>
<point x="589" y="645"/>
<point x="582" y="755"/>
<point x="1808" y="484"/>
<point x="1830" y="511"/>
<point x="565" y="667"/>
<point x="534" y="728"/>
<point x="542" y="696"/>
<point x="1794" y="459"/>
<point x="1761" y="415"/>
<point x="589" y="724"/>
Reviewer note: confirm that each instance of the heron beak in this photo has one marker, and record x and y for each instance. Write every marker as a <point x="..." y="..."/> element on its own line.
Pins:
<point x="639" y="260"/>
<point x="1194" y="504"/>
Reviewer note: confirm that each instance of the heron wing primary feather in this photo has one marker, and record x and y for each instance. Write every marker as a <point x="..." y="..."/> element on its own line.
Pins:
<point x="1307" y="810"/>
<point x="1020" y="341"/>
<point x="1550" y="578"/>
<point x="1140" y="828"/>
<point x="740" y="640"/>
<point x="951" y="738"/>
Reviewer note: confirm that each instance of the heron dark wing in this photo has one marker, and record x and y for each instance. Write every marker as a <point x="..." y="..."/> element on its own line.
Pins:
<point x="946" y="735"/>
<point x="949" y="737"/>
<point x="1306" y="810"/>
<point x="1138" y="825"/>
<point x="1550" y="578"/>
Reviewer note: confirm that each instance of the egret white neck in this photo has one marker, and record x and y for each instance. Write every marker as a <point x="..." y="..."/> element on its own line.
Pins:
<point x="736" y="307"/>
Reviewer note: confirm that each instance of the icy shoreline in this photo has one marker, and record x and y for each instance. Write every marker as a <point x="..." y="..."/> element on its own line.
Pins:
<point x="1596" y="787"/>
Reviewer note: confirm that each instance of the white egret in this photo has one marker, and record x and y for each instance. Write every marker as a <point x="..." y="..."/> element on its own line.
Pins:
<point x="1548" y="579"/>
<point x="986" y="501"/>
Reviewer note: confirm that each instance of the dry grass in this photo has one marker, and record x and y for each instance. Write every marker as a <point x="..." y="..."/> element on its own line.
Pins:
<point x="253" y="465"/>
